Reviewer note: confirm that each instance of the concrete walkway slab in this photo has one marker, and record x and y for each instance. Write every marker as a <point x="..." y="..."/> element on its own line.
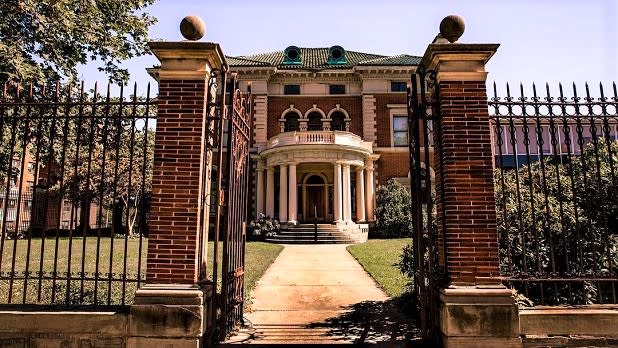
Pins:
<point x="320" y="294"/>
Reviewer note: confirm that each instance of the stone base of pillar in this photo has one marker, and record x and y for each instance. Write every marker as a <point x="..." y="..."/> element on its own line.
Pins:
<point x="478" y="317"/>
<point x="163" y="314"/>
<point x="292" y="223"/>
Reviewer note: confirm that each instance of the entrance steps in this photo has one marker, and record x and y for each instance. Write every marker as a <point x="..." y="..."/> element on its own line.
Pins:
<point x="305" y="234"/>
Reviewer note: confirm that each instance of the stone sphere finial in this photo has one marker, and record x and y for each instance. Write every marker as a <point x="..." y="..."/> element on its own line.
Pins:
<point x="192" y="28"/>
<point x="452" y="27"/>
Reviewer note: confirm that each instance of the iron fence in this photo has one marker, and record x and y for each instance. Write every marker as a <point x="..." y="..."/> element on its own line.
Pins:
<point x="76" y="172"/>
<point x="556" y="159"/>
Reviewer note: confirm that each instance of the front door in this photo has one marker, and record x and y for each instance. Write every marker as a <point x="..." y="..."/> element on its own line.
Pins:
<point x="315" y="203"/>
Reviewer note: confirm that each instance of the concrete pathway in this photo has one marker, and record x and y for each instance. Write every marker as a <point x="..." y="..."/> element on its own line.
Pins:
<point x="320" y="294"/>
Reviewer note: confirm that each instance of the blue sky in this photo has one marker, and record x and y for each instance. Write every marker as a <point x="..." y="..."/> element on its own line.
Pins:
<point x="542" y="40"/>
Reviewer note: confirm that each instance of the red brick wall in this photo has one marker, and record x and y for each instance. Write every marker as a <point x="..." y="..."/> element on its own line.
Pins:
<point x="469" y="209"/>
<point x="352" y="104"/>
<point x="383" y="116"/>
<point x="392" y="165"/>
<point x="173" y="238"/>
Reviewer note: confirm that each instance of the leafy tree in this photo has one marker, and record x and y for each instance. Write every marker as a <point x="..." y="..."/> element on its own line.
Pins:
<point x="108" y="160"/>
<point x="393" y="211"/>
<point x="90" y="149"/>
<point x="557" y="218"/>
<point x="48" y="39"/>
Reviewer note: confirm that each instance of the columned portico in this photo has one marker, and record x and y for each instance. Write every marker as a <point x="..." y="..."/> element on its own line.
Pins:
<point x="270" y="192"/>
<point x="369" y="190"/>
<point x="317" y="166"/>
<point x="259" y="204"/>
<point x="292" y="195"/>
<point x="347" y="196"/>
<point x="283" y="195"/>
<point x="337" y="193"/>
<point x="360" y="195"/>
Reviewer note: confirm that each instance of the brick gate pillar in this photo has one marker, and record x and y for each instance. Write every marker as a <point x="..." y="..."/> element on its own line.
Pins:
<point x="475" y="309"/>
<point x="170" y="309"/>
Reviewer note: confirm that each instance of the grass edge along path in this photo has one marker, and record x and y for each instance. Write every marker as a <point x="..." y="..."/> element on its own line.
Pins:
<point x="379" y="258"/>
<point x="260" y="256"/>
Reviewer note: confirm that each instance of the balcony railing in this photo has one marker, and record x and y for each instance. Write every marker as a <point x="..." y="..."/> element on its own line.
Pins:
<point x="318" y="137"/>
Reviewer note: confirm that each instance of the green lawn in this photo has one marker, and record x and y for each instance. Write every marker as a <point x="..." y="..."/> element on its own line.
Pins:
<point x="258" y="256"/>
<point x="379" y="258"/>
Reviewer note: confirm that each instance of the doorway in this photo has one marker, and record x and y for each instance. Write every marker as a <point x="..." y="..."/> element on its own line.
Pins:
<point x="315" y="199"/>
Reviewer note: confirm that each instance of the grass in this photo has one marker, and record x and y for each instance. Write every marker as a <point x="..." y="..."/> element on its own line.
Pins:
<point x="379" y="258"/>
<point x="42" y="255"/>
<point x="258" y="256"/>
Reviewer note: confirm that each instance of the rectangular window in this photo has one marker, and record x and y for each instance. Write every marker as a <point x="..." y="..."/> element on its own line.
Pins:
<point x="400" y="130"/>
<point x="291" y="89"/>
<point x="399" y="86"/>
<point x="336" y="89"/>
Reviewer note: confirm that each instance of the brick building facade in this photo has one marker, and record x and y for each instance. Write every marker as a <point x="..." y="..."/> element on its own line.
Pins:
<point x="329" y="126"/>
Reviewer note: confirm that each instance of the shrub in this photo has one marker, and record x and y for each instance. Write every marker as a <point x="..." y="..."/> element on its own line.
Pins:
<point x="393" y="211"/>
<point x="262" y="228"/>
<point x="558" y="218"/>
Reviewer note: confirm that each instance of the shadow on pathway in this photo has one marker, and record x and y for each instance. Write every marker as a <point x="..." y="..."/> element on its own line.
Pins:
<point x="373" y="322"/>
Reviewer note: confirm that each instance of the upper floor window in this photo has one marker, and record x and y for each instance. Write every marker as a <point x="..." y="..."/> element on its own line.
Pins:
<point x="336" y="89"/>
<point x="291" y="122"/>
<point x="400" y="130"/>
<point x="291" y="89"/>
<point x="337" y="122"/>
<point x="399" y="86"/>
<point x="314" y="121"/>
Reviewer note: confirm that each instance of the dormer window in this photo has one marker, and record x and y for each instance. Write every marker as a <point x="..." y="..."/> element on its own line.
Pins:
<point x="336" y="55"/>
<point x="292" y="55"/>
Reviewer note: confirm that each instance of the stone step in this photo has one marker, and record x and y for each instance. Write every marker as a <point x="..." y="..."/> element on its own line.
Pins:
<point x="311" y="232"/>
<point x="310" y="241"/>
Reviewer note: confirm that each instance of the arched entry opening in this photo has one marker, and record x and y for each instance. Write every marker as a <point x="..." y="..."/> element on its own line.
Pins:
<point x="315" y="197"/>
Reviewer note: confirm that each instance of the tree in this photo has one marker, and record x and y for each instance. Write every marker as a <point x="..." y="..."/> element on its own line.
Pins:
<point x="48" y="39"/>
<point x="558" y="218"/>
<point x="393" y="211"/>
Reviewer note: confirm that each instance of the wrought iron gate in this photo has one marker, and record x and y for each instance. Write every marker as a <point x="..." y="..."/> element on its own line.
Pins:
<point x="424" y="145"/>
<point x="231" y="112"/>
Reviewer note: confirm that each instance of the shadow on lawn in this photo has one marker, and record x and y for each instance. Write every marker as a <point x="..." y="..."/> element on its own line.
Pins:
<point x="389" y="323"/>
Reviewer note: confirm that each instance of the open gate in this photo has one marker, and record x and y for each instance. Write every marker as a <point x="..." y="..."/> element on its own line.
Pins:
<point x="424" y="152"/>
<point x="230" y="111"/>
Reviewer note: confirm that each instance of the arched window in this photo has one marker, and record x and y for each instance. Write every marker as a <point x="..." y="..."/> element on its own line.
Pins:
<point x="314" y="121"/>
<point x="291" y="122"/>
<point x="337" y="122"/>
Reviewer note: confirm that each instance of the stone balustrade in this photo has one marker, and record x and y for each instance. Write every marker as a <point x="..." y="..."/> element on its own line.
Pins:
<point x="317" y="137"/>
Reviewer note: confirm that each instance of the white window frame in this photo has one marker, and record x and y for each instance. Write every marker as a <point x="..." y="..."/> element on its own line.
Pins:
<point x="396" y="113"/>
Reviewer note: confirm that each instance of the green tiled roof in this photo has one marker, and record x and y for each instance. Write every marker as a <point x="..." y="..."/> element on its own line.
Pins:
<point x="317" y="59"/>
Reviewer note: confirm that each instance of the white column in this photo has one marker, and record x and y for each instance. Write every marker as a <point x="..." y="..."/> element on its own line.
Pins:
<point x="270" y="192"/>
<point x="347" y="197"/>
<point x="292" y="202"/>
<point x="259" y="204"/>
<point x="283" y="193"/>
<point x="360" y="195"/>
<point x="369" y="193"/>
<point x="337" y="193"/>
